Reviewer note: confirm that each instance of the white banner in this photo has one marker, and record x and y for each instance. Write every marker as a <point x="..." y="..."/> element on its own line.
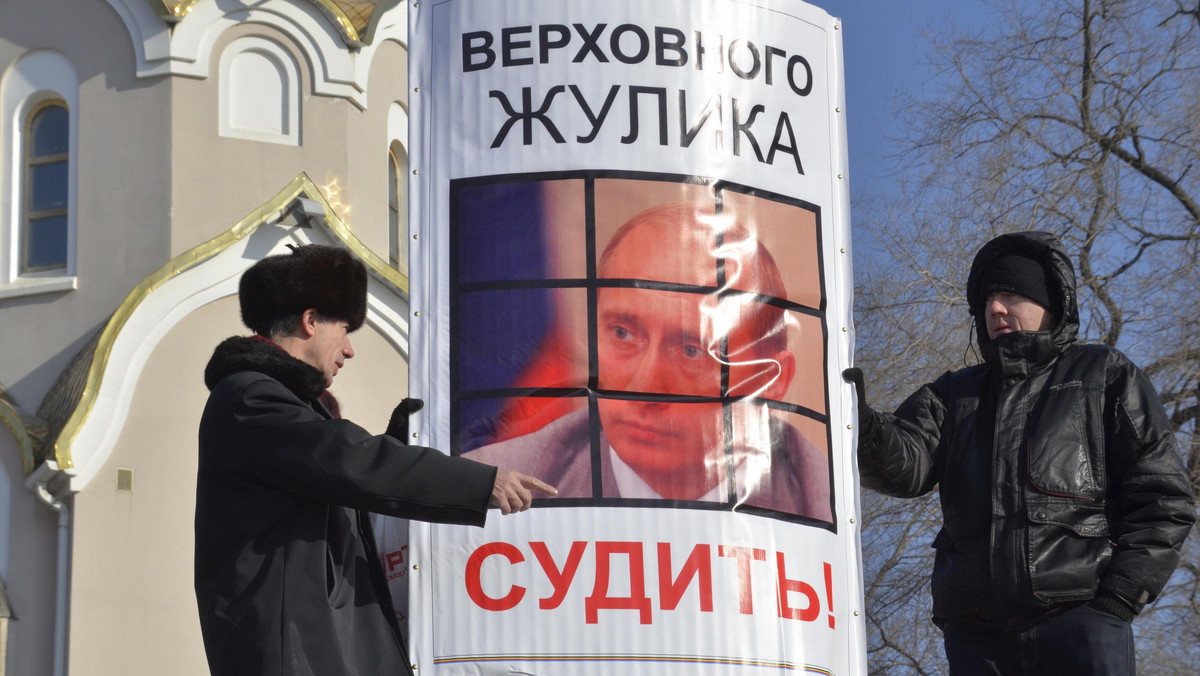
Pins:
<point x="630" y="279"/>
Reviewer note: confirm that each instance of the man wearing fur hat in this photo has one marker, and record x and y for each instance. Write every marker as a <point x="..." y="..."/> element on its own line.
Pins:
<point x="1064" y="497"/>
<point x="287" y="578"/>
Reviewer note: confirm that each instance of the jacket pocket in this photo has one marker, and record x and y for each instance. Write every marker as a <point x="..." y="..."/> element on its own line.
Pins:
<point x="960" y="575"/>
<point x="1069" y="549"/>
<point x="1065" y="449"/>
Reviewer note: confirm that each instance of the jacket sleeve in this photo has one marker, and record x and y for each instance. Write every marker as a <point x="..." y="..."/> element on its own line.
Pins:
<point x="260" y="428"/>
<point x="897" y="452"/>
<point x="1153" y="493"/>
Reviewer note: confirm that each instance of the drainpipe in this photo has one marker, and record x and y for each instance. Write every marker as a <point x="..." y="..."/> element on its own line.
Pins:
<point x="37" y="482"/>
<point x="5" y="617"/>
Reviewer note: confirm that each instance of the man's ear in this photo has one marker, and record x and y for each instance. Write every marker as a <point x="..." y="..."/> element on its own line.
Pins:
<point x="308" y="322"/>
<point x="787" y="370"/>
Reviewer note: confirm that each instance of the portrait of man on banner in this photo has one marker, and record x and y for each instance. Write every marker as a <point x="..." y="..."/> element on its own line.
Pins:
<point x="644" y="343"/>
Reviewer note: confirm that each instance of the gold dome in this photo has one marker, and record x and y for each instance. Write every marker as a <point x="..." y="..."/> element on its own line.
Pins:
<point x="352" y="17"/>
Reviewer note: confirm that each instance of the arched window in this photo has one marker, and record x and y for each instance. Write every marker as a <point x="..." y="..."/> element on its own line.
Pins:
<point x="44" y="218"/>
<point x="397" y="208"/>
<point x="39" y="102"/>
<point x="260" y="92"/>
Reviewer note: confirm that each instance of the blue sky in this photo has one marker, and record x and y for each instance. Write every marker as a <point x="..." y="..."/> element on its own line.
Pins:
<point x="886" y="49"/>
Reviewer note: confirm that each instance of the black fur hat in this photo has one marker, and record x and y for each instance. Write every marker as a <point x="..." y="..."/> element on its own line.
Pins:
<point x="325" y="278"/>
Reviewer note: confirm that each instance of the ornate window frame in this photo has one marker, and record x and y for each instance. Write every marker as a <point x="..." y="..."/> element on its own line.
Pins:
<point x="289" y="98"/>
<point x="32" y="185"/>
<point x="37" y="79"/>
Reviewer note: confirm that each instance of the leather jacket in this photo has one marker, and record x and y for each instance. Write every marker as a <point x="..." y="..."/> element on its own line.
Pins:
<point x="1058" y="471"/>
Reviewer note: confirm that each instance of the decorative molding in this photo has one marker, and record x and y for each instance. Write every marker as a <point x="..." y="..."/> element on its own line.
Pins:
<point x="32" y="286"/>
<point x="193" y="279"/>
<point x="149" y="34"/>
<point x="170" y="43"/>
<point x="350" y="32"/>
<point x="35" y="77"/>
<point x="282" y="104"/>
<point x="388" y="25"/>
<point x="173" y="11"/>
<point x="15" y="423"/>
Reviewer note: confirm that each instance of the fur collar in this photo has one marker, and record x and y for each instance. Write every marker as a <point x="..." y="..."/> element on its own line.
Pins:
<point x="239" y="354"/>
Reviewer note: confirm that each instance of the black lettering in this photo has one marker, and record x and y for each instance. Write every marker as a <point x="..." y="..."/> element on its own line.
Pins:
<point x="701" y="50"/>
<point x="470" y="49"/>
<point x="785" y="126"/>
<point x="643" y="43"/>
<point x="508" y="45"/>
<point x="669" y="40"/>
<point x="546" y="43"/>
<point x="808" y="75"/>
<point x="589" y="43"/>
<point x="688" y="134"/>
<point x="739" y="128"/>
<point x="595" y="119"/>
<point x="772" y="52"/>
<point x="755" y="60"/>
<point x="633" y="113"/>
<point x="527" y="116"/>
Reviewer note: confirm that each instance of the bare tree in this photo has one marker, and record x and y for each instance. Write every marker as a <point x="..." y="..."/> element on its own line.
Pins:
<point x="1080" y="117"/>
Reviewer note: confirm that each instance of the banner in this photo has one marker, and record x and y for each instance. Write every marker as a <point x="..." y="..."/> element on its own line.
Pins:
<point x="630" y="280"/>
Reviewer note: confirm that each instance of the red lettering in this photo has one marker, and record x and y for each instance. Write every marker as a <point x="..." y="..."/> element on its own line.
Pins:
<point x="395" y="559"/>
<point x="796" y="599"/>
<point x="474" y="574"/>
<point x="599" y="598"/>
<point x="698" y="566"/>
<point x="829" y="593"/>
<point x="813" y="607"/>
<point x="744" y="555"/>
<point x="560" y="580"/>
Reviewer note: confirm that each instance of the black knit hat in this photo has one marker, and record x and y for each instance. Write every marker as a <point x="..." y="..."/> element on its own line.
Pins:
<point x="1020" y="274"/>
<point x="325" y="278"/>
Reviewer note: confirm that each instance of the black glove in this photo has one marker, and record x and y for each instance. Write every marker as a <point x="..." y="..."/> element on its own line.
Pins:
<point x="1113" y="605"/>
<point x="868" y="420"/>
<point x="398" y="424"/>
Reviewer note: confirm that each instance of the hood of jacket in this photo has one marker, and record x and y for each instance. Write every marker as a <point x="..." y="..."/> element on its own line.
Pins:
<point x="238" y="354"/>
<point x="1048" y="250"/>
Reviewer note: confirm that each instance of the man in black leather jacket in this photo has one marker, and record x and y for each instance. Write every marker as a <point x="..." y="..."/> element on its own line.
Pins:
<point x="1064" y="497"/>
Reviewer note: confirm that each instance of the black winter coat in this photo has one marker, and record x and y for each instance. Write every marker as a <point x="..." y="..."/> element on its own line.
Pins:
<point x="287" y="578"/>
<point x="1058" y="471"/>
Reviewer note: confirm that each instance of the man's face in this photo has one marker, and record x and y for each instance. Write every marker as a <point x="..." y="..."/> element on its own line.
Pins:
<point x="655" y="342"/>
<point x="329" y="347"/>
<point x="1007" y="312"/>
<point x="666" y="342"/>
